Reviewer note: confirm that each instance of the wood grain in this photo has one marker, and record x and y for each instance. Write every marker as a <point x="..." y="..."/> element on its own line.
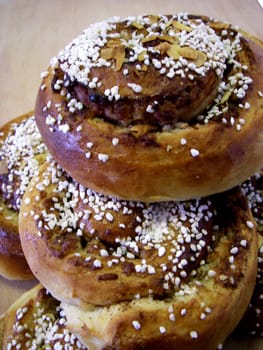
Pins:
<point x="32" y="32"/>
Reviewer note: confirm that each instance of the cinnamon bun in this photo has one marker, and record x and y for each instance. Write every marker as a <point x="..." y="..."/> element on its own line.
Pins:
<point x="155" y="108"/>
<point x="36" y="321"/>
<point x="21" y="153"/>
<point x="133" y="275"/>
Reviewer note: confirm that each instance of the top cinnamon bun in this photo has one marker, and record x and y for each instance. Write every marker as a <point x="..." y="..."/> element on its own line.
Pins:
<point x="155" y="108"/>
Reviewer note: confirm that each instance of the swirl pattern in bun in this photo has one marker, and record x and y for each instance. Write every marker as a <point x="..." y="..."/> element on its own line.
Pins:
<point x="155" y="108"/>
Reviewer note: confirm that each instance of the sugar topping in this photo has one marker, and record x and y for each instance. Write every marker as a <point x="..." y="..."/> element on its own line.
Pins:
<point x="176" y="46"/>
<point x="22" y="150"/>
<point x="182" y="39"/>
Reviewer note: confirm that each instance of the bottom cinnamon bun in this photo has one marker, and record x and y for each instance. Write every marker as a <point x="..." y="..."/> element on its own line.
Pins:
<point x="21" y="153"/>
<point x="36" y="321"/>
<point x="140" y="276"/>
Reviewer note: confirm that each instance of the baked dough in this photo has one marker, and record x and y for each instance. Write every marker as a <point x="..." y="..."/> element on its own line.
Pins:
<point x="140" y="276"/>
<point x="36" y="321"/>
<point x="21" y="152"/>
<point x="156" y="108"/>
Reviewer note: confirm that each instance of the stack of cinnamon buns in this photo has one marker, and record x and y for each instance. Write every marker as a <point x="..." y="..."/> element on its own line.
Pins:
<point x="138" y="188"/>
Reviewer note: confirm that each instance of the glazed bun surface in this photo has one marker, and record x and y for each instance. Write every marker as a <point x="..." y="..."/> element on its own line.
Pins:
<point x="155" y="108"/>
<point x="21" y="153"/>
<point x="151" y="275"/>
<point x="36" y="321"/>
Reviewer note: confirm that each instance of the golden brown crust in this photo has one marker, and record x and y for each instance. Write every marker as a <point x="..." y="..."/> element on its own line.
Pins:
<point x="20" y="152"/>
<point x="181" y="310"/>
<point x="35" y="321"/>
<point x="145" y="160"/>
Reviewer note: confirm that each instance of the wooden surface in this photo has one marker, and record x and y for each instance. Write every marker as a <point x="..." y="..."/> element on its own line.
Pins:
<point x="32" y="32"/>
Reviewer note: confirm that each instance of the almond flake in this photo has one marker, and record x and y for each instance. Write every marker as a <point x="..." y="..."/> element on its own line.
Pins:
<point x="117" y="53"/>
<point x="137" y="25"/>
<point x="162" y="47"/>
<point x="181" y="26"/>
<point x="201" y="59"/>
<point x="188" y="52"/>
<point x="107" y="53"/>
<point x="167" y="38"/>
<point x="149" y="38"/>
<point x="114" y="42"/>
<point x="173" y="51"/>
<point x="169" y="23"/>
<point x="119" y="57"/>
